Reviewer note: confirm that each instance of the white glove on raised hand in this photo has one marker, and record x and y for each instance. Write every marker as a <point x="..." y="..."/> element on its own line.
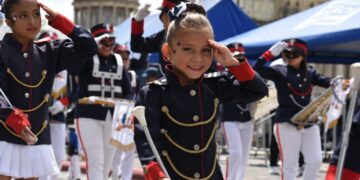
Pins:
<point x="277" y="48"/>
<point x="142" y="12"/>
<point x="56" y="107"/>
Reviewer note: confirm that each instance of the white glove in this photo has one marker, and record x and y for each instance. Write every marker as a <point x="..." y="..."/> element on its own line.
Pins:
<point x="56" y="107"/>
<point x="277" y="48"/>
<point x="142" y="12"/>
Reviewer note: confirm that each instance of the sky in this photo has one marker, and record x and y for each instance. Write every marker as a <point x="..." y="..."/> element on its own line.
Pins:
<point x="66" y="8"/>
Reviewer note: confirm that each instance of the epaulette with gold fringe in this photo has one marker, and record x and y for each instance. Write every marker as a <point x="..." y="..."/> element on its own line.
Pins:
<point x="159" y="82"/>
<point x="42" y="41"/>
<point x="212" y="74"/>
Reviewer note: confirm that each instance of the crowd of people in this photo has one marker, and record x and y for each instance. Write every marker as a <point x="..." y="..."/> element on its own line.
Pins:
<point x="63" y="96"/>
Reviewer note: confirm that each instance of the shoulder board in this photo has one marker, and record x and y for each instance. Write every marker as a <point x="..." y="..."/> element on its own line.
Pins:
<point x="212" y="74"/>
<point x="310" y="67"/>
<point x="43" y="40"/>
<point x="278" y="62"/>
<point x="159" y="82"/>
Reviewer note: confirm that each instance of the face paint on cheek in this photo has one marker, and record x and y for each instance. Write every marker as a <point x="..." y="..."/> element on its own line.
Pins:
<point x="174" y="51"/>
<point x="178" y="43"/>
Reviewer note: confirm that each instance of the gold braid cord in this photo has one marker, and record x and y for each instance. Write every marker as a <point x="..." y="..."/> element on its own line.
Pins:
<point x="166" y="155"/>
<point x="166" y="111"/>
<point x="45" y="100"/>
<point x="188" y="150"/>
<point x="43" y="74"/>
<point x="14" y="134"/>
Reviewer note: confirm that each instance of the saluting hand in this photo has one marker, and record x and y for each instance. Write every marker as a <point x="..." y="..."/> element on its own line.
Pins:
<point x="50" y="14"/>
<point x="222" y="54"/>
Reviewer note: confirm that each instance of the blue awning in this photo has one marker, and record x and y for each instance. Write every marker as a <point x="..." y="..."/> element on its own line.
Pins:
<point x="332" y="31"/>
<point x="225" y="16"/>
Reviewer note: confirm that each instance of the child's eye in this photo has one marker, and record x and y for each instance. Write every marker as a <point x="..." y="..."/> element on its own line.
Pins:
<point x="187" y="49"/>
<point x="207" y="50"/>
<point x="23" y="16"/>
<point x="37" y="14"/>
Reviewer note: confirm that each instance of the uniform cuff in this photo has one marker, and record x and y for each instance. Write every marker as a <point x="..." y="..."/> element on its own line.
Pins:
<point x="62" y="24"/>
<point x="267" y="56"/>
<point x="153" y="171"/>
<point x="65" y="101"/>
<point x="137" y="27"/>
<point x="168" y="5"/>
<point x="243" y="72"/>
<point x="17" y="121"/>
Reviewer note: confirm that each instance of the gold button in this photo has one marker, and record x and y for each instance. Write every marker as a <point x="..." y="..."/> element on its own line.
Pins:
<point x="196" y="118"/>
<point x="46" y="97"/>
<point x="192" y="93"/>
<point x="25" y="55"/>
<point x="27" y="74"/>
<point x="27" y="95"/>
<point x="163" y="131"/>
<point x="196" y="147"/>
<point x="216" y="101"/>
<point x="164" y="109"/>
<point x="197" y="175"/>
<point x="164" y="153"/>
<point x="300" y="85"/>
<point x="298" y="75"/>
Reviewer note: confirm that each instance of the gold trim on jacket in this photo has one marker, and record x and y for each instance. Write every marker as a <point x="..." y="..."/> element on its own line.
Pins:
<point x="43" y="74"/>
<point x="165" y="109"/>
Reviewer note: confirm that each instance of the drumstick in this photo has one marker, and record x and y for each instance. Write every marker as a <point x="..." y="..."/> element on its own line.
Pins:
<point x="139" y="113"/>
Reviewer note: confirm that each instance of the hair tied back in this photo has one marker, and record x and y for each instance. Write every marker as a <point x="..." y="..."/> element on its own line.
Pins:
<point x="177" y="11"/>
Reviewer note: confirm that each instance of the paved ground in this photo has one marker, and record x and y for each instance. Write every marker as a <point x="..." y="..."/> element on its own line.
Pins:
<point x="256" y="169"/>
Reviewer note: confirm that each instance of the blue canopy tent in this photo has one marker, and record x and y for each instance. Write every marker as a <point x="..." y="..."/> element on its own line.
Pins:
<point x="332" y="31"/>
<point x="226" y="18"/>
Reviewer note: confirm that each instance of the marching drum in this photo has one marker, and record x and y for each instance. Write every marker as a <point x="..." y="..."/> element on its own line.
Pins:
<point x="318" y="110"/>
<point x="261" y="108"/>
<point x="122" y="135"/>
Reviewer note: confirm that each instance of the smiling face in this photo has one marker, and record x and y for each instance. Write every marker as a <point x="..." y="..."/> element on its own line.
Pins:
<point x="191" y="55"/>
<point x="25" y="20"/>
<point x="188" y="47"/>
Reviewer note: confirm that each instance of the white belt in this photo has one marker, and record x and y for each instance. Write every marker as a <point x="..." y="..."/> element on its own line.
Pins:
<point x="99" y="88"/>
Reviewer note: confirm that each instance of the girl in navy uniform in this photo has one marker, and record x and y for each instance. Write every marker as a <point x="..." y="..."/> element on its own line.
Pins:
<point x="27" y="71"/>
<point x="102" y="80"/>
<point x="238" y="129"/>
<point x="181" y="107"/>
<point x="294" y="81"/>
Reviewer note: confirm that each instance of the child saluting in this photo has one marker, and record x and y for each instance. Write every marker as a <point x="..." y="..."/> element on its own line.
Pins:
<point x="27" y="71"/>
<point x="181" y="107"/>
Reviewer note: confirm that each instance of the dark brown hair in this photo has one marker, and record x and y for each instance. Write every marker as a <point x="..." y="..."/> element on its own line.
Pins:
<point x="7" y="7"/>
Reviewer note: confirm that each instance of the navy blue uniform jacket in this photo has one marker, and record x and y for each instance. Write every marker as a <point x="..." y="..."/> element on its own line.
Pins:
<point x="182" y="120"/>
<point x="27" y="78"/>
